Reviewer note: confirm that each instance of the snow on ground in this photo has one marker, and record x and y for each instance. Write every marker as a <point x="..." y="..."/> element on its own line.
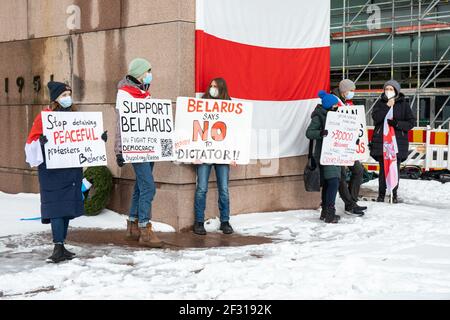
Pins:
<point x="397" y="251"/>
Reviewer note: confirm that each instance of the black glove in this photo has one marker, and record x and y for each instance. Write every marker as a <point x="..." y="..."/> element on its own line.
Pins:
<point x="392" y="123"/>
<point x="105" y="136"/>
<point x="43" y="139"/>
<point x="120" y="160"/>
<point x="357" y="141"/>
<point x="323" y="133"/>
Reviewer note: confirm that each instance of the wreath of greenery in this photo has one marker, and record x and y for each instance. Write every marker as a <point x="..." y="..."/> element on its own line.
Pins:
<point x="100" y="192"/>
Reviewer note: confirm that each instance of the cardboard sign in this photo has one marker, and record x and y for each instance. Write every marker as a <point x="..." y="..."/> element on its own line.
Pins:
<point x="74" y="139"/>
<point x="213" y="131"/>
<point x="147" y="129"/>
<point x="362" y="149"/>
<point x="339" y="146"/>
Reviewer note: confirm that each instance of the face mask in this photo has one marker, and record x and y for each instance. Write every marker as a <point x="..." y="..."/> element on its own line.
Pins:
<point x="350" y="95"/>
<point x="389" y="94"/>
<point x="65" y="102"/>
<point x="214" y="92"/>
<point x="148" y="78"/>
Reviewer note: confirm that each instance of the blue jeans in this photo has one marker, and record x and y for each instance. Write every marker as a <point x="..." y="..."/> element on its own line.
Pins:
<point x="59" y="229"/>
<point x="329" y="192"/>
<point x="144" y="192"/>
<point x="222" y="175"/>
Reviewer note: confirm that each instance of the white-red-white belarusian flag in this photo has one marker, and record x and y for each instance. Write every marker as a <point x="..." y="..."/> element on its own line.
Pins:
<point x="390" y="150"/>
<point x="273" y="53"/>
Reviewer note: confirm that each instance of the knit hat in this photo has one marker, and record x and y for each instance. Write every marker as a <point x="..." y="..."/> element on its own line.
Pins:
<point x="328" y="100"/>
<point x="393" y="83"/>
<point x="346" y="85"/>
<point x="56" y="89"/>
<point x="138" y="67"/>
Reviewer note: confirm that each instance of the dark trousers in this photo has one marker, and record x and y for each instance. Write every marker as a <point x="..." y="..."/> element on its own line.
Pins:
<point x="349" y="192"/>
<point x="59" y="229"/>
<point x="382" y="180"/>
<point x="329" y="192"/>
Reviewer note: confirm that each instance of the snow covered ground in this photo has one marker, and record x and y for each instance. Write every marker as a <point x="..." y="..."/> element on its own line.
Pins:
<point x="397" y="251"/>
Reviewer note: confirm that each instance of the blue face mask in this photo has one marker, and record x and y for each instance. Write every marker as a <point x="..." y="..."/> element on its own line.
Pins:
<point x="350" y="95"/>
<point x="65" y="102"/>
<point x="148" y="78"/>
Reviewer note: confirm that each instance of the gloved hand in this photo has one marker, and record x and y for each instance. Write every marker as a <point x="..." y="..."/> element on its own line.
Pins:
<point x="357" y="141"/>
<point x="392" y="122"/>
<point x="323" y="133"/>
<point x="120" y="160"/>
<point x="105" y="136"/>
<point x="43" y="139"/>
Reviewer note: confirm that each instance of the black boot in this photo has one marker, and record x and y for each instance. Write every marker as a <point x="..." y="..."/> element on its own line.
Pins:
<point x="226" y="227"/>
<point x="323" y="213"/>
<point x="58" y="254"/>
<point x="394" y="198"/>
<point x="360" y="208"/>
<point x="354" y="210"/>
<point x="380" y="198"/>
<point x="331" y="216"/>
<point x="69" y="255"/>
<point x="199" y="228"/>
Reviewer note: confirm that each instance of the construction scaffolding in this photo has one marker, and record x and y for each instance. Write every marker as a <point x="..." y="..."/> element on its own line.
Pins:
<point x="381" y="30"/>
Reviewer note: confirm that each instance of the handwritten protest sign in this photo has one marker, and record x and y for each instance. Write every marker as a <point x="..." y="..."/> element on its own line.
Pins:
<point x="74" y="139"/>
<point x="362" y="149"/>
<point x="339" y="146"/>
<point x="147" y="129"/>
<point x="213" y="131"/>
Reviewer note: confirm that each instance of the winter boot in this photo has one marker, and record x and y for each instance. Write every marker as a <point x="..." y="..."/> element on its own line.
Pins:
<point x="148" y="238"/>
<point x="133" y="232"/>
<point x="226" y="228"/>
<point x="69" y="255"/>
<point x="58" y="254"/>
<point x="331" y="216"/>
<point x="199" y="228"/>
<point x="354" y="211"/>
<point x="323" y="213"/>
<point x="380" y="198"/>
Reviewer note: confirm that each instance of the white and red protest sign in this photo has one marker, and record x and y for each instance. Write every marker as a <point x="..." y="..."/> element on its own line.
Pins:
<point x="74" y="139"/>
<point x="362" y="149"/>
<point x="147" y="129"/>
<point x="213" y="131"/>
<point x="339" y="146"/>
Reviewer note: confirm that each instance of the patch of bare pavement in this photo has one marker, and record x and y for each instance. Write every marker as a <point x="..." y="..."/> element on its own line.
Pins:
<point x="172" y="240"/>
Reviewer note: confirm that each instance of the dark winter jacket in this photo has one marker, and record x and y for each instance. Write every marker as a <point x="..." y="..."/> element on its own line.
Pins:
<point x="318" y="120"/>
<point x="405" y="121"/>
<point x="60" y="192"/>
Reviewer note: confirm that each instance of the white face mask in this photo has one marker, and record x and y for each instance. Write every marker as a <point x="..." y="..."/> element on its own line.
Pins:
<point x="214" y="92"/>
<point x="350" y="95"/>
<point x="389" y="94"/>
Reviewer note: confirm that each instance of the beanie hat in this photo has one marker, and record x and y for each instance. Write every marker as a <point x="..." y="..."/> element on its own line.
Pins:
<point x="346" y="85"/>
<point x="328" y="100"/>
<point x="138" y="67"/>
<point x="393" y="83"/>
<point x="56" y="89"/>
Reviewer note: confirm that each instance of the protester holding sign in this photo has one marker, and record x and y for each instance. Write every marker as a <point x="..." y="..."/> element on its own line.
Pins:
<point x="402" y="121"/>
<point x="216" y="90"/>
<point x="139" y="228"/>
<point x="349" y="192"/>
<point x="60" y="189"/>
<point x="329" y="174"/>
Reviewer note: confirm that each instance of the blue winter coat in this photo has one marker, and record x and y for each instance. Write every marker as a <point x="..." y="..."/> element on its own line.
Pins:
<point x="60" y="193"/>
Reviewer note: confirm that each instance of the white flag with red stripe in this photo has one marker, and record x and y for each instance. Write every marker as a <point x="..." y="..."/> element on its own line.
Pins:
<point x="273" y="53"/>
<point x="390" y="150"/>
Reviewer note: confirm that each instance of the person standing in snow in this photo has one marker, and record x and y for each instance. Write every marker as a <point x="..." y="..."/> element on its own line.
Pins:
<point x="60" y="189"/>
<point x="349" y="192"/>
<point x="329" y="174"/>
<point x="217" y="89"/>
<point x="403" y="121"/>
<point x="136" y="84"/>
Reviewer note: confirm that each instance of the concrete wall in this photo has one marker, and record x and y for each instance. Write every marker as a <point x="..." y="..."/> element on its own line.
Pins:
<point x="36" y="41"/>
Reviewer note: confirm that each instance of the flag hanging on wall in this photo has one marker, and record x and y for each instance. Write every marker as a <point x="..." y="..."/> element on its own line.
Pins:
<point x="273" y="53"/>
